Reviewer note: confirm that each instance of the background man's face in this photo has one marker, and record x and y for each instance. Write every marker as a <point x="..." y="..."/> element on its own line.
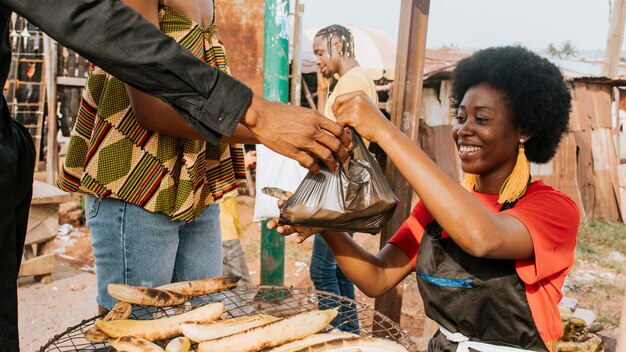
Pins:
<point x="328" y="63"/>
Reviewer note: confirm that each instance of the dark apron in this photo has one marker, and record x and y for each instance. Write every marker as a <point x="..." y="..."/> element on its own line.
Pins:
<point x="481" y="298"/>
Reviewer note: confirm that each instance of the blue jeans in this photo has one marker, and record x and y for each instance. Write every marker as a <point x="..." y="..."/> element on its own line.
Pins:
<point x="327" y="276"/>
<point x="136" y="247"/>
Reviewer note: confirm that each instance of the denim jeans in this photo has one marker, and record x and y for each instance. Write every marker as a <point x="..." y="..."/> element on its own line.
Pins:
<point x="136" y="247"/>
<point x="327" y="276"/>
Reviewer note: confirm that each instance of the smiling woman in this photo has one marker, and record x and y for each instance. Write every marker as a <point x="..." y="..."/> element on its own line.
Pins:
<point x="490" y="258"/>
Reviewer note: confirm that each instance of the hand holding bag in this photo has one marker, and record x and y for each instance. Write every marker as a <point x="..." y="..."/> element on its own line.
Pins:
<point x="355" y="197"/>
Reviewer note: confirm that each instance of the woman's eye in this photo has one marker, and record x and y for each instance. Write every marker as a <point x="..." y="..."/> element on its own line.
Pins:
<point x="460" y="118"/>
<point x="480" y="119"/>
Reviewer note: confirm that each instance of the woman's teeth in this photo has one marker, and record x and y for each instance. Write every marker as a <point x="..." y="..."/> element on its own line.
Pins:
<point x="468" y="149"/>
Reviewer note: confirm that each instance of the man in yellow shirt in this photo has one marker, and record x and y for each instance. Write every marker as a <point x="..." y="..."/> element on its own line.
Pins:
<point x="333" y="47"/>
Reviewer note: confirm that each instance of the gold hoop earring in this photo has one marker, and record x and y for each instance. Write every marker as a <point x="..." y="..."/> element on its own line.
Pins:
<point x="515" y="185"/>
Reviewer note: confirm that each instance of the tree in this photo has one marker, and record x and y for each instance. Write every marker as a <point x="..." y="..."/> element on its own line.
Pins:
<point x="568" y="49"/>
<point x="553" y="51"/>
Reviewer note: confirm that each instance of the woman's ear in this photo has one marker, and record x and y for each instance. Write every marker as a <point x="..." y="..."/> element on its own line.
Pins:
<point x="525" y="137"/>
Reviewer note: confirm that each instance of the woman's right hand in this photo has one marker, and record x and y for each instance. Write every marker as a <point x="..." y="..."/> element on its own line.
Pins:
<point x="357" y="110"/>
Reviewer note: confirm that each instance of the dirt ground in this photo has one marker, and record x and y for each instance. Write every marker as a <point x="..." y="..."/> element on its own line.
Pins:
<point x="49" y="309"/>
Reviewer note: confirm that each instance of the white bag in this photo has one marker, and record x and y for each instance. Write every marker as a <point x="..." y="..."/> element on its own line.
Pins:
<point x="273" y="170"/>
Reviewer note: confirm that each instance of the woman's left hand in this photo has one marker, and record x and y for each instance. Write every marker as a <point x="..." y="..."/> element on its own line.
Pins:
<point x="286" y="230"/>
<point x="357" y="110"/>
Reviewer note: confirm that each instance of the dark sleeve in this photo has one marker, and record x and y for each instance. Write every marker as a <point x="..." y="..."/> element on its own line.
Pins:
<point x="118" y="39"/>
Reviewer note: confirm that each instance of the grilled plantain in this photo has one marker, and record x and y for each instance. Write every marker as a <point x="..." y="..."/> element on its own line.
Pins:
<point x="160" y="329"/>
<point x="272" y="334"/>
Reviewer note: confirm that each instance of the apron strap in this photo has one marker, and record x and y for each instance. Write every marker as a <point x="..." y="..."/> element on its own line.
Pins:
<point x="464" y="343"/>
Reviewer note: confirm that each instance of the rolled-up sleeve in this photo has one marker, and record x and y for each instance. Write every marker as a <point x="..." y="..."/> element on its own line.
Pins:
<point x="119" y="40"/>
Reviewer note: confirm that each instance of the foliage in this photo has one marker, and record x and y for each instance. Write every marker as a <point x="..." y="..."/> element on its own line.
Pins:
<point x="597" y="240"/>
<point x="564" y="51"/>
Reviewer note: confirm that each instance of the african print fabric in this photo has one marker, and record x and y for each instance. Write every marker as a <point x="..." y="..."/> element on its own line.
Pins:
<point x="110" y="155"/>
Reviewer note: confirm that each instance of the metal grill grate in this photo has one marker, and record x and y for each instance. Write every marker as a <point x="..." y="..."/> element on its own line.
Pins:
<point x="276" y="301"/>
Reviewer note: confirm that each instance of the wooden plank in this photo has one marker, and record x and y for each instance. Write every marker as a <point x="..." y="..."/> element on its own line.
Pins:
<point x="435" y="109"/>
<point x="29" y="252"/>
<point x="601" y="97"/>
<point x="43" y="232"/>
<point x="574" y="124"/>
<point x="405" y="114"/>
<point x="44" y="193"/>
<point x="607" y="199"/>
<point x="437" y="143"/>
<point x="584" y="100"/>
<point x="38" y="266"/>
<point x="561" y="172"/>
<point x="39" y="213"/>
<point x="71" y="81"/>
<point x="584" y="172"/>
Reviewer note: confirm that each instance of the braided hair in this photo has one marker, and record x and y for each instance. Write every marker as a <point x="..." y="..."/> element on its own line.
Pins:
<point x="344" y="35"/>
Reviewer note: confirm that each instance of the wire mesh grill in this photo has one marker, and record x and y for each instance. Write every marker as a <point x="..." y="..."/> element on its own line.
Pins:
<point x="242" y="301"/>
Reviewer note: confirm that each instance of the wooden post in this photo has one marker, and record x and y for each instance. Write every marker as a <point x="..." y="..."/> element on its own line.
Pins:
<point x="616" y="125"/>
<point x="621" y="333"/>
<point x="614" y="38"/>
<point x="275" y="88"/>
<point x="296" y="64"/>
<point x="50" y="57"/>
<point x="407" y="97"/>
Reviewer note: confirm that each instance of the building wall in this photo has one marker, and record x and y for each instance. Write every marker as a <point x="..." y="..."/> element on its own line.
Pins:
<point x="242" y="27"/>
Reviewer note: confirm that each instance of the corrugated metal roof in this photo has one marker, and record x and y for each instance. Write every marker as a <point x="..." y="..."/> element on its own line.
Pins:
<point x="442" y="61"/>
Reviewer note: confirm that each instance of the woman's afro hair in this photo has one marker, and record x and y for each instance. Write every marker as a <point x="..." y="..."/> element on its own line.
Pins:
<point x="535" y="89"/>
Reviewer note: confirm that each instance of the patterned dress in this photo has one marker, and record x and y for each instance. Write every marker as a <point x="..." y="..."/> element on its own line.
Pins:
<point x="110" y="155"/>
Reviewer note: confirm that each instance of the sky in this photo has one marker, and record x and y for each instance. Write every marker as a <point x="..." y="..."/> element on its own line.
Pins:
<point x="475" y="24"/>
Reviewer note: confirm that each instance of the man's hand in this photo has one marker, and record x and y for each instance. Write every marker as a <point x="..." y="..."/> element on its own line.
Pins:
<point x="322" y="82"/>
<point x="298" y="133"/>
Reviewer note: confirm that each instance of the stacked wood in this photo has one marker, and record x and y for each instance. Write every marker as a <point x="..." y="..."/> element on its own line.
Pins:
<point x="42" y="223"/>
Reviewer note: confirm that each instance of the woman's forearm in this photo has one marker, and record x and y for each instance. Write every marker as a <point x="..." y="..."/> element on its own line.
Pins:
<point x="372" y="274"/>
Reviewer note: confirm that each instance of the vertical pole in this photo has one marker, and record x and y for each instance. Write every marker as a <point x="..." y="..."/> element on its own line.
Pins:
<point x="614" y="38"/>
<point x="275" y="88"/>
<point x="50" y="63"/>
<point x="621" y="333"/>
<point x="296" y="64"/>
<point x="407" y="97"/>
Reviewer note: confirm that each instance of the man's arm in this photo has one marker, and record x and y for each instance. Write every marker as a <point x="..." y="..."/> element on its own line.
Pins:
<point x="118" y="39"/>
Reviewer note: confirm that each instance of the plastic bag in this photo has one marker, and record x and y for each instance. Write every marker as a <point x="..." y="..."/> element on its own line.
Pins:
<point x="273" y="170"/>
<point x="355" y="197"/>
